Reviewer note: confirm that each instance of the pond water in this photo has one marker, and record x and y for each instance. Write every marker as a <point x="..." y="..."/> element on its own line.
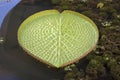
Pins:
<point x="16" y="64"/>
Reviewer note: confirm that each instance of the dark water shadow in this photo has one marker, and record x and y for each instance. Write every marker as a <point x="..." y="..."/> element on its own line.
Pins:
<point x="13" y="60"/>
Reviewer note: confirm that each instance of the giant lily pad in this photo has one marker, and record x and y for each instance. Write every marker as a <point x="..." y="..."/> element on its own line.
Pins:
<point x="58" y="39"/>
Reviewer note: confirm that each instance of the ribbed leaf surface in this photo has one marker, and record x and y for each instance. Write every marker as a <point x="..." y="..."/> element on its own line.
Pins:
<point x="57" y="39"/>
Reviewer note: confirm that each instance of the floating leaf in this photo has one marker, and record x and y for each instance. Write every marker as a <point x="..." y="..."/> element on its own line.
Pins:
<point x="58" y="39"/>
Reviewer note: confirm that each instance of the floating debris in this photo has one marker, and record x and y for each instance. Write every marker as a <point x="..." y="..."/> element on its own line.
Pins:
<point x="109" y="0"/>
<point x="118" y="16"/>
<point x="2" y="40"/>
<point x="106" y="23"/>
<point x="84" y="1"/>
<point x="100" y="5"/>
<point x="69" y="68"/>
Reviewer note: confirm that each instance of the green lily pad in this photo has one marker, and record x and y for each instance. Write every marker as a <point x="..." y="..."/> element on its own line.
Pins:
<point x="58" y="39"/>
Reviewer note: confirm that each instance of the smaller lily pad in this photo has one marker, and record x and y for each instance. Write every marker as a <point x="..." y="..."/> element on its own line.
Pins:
<point x="58" y="39"/>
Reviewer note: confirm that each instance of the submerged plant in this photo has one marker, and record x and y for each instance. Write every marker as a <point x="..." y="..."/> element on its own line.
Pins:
<point x="58" y="39"/>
